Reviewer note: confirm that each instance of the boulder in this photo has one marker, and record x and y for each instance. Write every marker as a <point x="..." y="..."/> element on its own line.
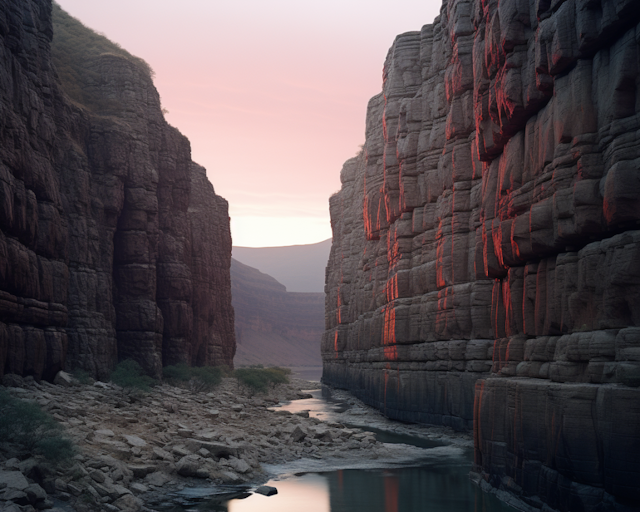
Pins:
<point x="135" y="441"/>
<point x="239" y="465"/>
<point x="13" y="480"/>
<point x="298" y="434"/>
<point x="128" y="503"/>
<point x="266" y="490"/>
<point x="63" y="379"/>
<point x="189" y="465"/>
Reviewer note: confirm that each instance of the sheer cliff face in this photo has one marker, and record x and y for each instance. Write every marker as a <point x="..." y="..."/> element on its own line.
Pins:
<point x="485" y="269"/>
<point x="113" y="244"/>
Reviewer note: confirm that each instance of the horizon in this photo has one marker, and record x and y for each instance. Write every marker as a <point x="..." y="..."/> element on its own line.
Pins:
<point x="272" y="121"/>
<point x="280" y="246"/>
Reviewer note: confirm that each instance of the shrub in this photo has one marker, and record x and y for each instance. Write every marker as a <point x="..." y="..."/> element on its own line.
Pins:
<point x="26" y="425"/>
<point x="82" y="376"/>
<point x="210" y="376"/>
<point x="56" y="448"/>
<point x="259" y="379"/>
<point x="180" y="372"/>
<point x="199" y="378"/>
<point x="129" y="374"/>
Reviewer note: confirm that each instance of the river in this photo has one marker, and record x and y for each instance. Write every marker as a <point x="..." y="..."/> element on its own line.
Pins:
<point x="437" y="479"/>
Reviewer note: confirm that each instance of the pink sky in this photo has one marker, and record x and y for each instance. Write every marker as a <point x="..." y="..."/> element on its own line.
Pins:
<point x="271" y="94"/>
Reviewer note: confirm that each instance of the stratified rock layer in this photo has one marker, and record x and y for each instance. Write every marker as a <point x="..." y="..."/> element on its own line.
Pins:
<point x="112" y="242"/>
<point x="485" y="269"/>
<point x="274" y="326"/>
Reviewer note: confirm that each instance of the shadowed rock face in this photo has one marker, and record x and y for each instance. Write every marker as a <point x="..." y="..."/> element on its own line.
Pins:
<point x="274" y="326"/>
<point x="485" y="267"/>
<point x="113" y="244"/>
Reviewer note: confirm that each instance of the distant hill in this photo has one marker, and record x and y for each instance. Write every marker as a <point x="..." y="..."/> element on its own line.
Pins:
<point x="274" y="326"/>
<point x="299" y="267"/>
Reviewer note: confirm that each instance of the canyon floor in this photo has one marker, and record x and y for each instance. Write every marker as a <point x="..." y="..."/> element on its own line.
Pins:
<point x="145" y="451"/>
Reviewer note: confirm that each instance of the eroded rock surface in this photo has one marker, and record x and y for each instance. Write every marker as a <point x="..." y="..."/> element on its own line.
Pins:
<point x="486" y="257"/>
<point x="113" y="243"/>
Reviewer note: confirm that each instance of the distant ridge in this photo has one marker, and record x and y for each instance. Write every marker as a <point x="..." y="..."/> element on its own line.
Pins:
<point x="299" y="267"/>
<point x="274" y="326"/>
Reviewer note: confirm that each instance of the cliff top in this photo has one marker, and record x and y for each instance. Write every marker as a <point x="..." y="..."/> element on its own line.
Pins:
<point x="75" y="48"/>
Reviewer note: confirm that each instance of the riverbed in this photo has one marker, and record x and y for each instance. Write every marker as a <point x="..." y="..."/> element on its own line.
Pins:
<point x="435" y="478"/>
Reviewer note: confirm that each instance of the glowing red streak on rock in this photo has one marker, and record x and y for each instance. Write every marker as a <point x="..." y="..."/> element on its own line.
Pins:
<point x="453" y="208"/>
<point x="485" y="256"/>
<point x="496" y="233"/>
<point x="391" y="492"/>
<point x="440" y="282"/>
<point x="514" y="246"/>
<point x="389" y="335"/>
<point x="506" y="298"/>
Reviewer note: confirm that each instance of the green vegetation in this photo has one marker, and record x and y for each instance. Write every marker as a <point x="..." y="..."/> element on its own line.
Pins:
<point x="82" y="376"/>
<point x="75" y="49"/>
<point x="201" y="378"/>
<point x="28" y="427"/>
<point x="258" y="379"/>
<point x="130" y="374"/>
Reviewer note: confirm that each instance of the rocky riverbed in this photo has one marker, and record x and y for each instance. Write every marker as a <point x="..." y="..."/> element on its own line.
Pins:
<point x="136" y="450"/>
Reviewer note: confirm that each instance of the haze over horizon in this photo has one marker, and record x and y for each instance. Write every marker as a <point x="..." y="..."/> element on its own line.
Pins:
<point x="272" y="96"/>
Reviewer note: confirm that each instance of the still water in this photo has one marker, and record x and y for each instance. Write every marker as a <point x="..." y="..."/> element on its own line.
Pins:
<point x="429" y="487"/>
<point x="437" y="481"/>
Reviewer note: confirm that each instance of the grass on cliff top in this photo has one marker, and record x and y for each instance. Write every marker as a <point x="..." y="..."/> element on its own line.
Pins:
<point x="30" y="430"/>
<point x="74" y="48"/>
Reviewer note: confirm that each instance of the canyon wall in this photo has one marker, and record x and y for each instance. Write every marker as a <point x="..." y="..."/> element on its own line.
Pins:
<point x="485" y="267"/>
<point x="274" y="326"/>
<point x="113" y="243"/>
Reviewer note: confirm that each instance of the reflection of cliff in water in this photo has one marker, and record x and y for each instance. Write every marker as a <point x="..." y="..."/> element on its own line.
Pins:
<point x="429" y="487"/>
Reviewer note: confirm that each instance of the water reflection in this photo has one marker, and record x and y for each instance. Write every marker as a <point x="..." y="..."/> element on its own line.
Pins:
<point x="307" y="493"/>
<point x="431" y="487"/>
<point x="317" y="407"/>
<point x="438" y="483"/>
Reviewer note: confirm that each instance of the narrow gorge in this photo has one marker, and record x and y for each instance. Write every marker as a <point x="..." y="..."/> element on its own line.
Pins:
<point x="485" y="267"/>
<point x="113" y="243"/>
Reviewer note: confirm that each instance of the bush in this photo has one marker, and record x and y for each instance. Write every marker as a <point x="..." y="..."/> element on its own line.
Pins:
<point x="56" y="448"/>
<point x="200" y="378"/>
<point x="129" y="374"/>
<point x="26" y="425"/>
<point x="180" y="372"/>
<point x="259" y="379"/>
<point x="82" y="376"/>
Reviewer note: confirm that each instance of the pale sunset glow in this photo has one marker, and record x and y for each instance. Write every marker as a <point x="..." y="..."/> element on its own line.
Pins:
<point x="309" y="493"/>
<point x="271" y="94"/>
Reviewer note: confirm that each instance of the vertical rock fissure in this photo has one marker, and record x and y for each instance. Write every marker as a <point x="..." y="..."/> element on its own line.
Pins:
<point x="491" y="244"/>
<point x="100" y="257"/>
